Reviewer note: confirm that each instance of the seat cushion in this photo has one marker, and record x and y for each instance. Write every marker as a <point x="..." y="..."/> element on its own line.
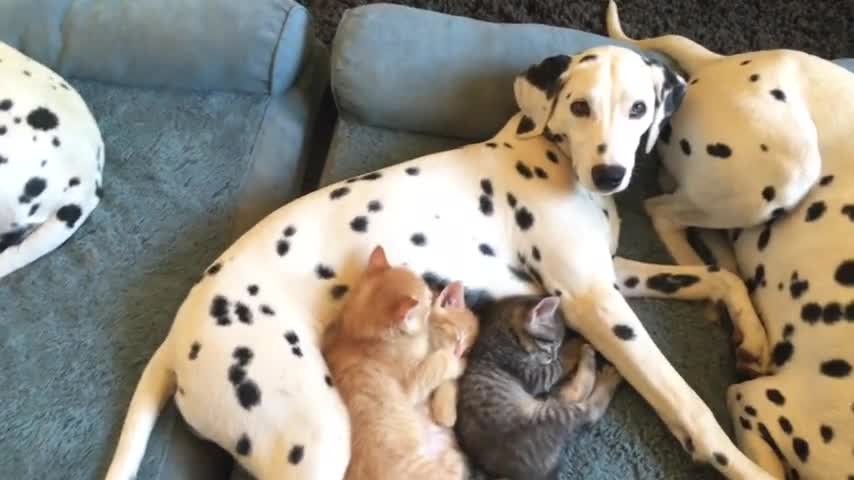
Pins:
<point x="195" y="44"/>
<point x="631" y="441"/>
<point x="78" y="325"/>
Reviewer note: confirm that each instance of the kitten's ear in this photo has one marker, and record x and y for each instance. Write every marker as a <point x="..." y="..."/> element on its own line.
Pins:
<point x="377" y="261"/>
<point x="403" y="315"/>
<point x="452" y="296"/>
<point x="542" y="320"/>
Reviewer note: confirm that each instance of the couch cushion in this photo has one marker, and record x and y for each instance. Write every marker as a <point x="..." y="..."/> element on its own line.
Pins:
<point x="405" y="68"/>
<point x="631" y="441"/>
<point x="78" y="325"/>
<point x="255" y="46"/>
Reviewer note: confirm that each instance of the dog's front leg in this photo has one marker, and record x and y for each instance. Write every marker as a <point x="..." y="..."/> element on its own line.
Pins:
<point x="604" y="318"/>
<point x="638" y="279"/>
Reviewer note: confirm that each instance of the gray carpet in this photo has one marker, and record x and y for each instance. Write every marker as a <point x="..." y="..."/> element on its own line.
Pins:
<point x="821" y="27"/>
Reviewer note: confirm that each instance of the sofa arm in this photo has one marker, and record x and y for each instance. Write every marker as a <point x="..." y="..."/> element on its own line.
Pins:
<point x="251" y="46"/>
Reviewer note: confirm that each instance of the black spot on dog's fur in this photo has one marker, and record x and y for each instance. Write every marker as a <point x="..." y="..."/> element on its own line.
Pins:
<point x="5" y="105"/>
<point x="686" y="147"/>
<point x="194" y="350"/>
<point x="588" y="58"/>
<point x="745" y="423"/>
<point x="328" y="380"/>
<point x="291" y="337"/>
<point x="485" y="205"/>
<point x="359" y="224"/>
<point x="798" y="287"/>
<point x="778" y="95"/>
<point x="631" y="282"/>
<point x="552" y="156"/>
<point x="768" y="193"/>
<point x="764" y="237"/>
<point x="55" y="142"/>
<point x="535" y="252"/>
<point x="801" y="448"/>
<point x="486" y="186"/>
<point x="815" y="211"/>
<point x="540" y="173"/>
<point x="775" y="396"/>
<point x="34" y="209"/>
<point x="69" y="214"/>
<point x="721" y="459"/>
<point x="289" y="231"/>
<point x="338" y="291"/>
<point x="296" y="454"/>
<point x="836" y="368"/>
<point x="524" y="218"/>
<point x="785" y="425"/>
<point x="766" y="435"/>
<point x="243" y="355"/>
<point x="849" y="311"/>
<point x="486" y="250"/>
<point x="219" y="310"/>
<point x="491" y="144"/>
<point x="811" y="312"/>
<point x="42" y="119"/>
<point x="788" y="330"/>
<point x="521" y="275"/>
<point x="412" y="171"/>
<point x="324" y="272"/>
<point x="511" y="200"/>
<point x="244" y="445"/>
<point x="719" y="150"/>
<point x="374" y="206"/>
<point x="758" y="279"/>
<point x="763" y="147"/>
<point x="524" y="170"/>
<point x="266" y="310"/>
<point x="826" y="433"/>
<point x="33" y="188"/>
<point x="832" y="313"/>
<point x="692" y="236"/>
<point x="338" y="193"/>
<point x="536" y="275"/>
<point x="750" y="411"/>
<point x="526" y="124"/>
<point x="744" y="62"/>
<point x="252" y="289"/>
<point x="754" y="78"/>
<point x="371" y="176"/>
<point x="75" y="181"/>
<point x="670" y="283"/>
<point x="782" y="353"/>
<point x="601" y="148"/>
<point x="282" y="247"/>
<point x="624" y="332"/>
<point x="845" y="273"/>
<point x="244" y="314"/>
<point x="248" y="394"/>
<point x="418" y="239"/>
<point x="507" y="145"/>
<point x="825" y="180"/>
<point x="848" y="210"/>
<point x="214" y="269"/>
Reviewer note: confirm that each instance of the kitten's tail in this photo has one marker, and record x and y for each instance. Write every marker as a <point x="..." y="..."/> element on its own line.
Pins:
<point x="154" y="388"/>
<point x="688" y="54"/>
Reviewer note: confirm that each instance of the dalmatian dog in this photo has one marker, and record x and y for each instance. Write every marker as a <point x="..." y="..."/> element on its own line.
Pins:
<point x="761" y="153"/>
<point x="242" y="358"/>
<point x="51" y="159"/>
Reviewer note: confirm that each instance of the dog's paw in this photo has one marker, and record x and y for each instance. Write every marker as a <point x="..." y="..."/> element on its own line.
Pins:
<point x="750" y="342"/>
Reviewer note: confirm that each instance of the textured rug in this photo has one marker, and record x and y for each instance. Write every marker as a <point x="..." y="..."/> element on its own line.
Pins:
<point x="821" y="27"/>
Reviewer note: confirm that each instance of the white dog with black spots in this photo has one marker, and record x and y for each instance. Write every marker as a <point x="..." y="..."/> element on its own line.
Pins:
<point x="242" y="357"/>
<point x="762" y="148"/>
<point x="51" y="159"/>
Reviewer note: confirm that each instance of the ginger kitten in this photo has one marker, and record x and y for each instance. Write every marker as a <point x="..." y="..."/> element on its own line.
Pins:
<point x="452" y="325"/>
<point x="379" y="355"/>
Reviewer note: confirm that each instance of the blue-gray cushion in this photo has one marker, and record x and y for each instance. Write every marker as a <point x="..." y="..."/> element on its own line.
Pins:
<point x="846" y="62"/>
<point x="428" y="72"/>
<point x="256" y="46"/>
<point x="421" y="71"/>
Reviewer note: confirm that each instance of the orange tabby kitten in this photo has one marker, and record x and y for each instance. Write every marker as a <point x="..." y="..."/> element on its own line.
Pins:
<point x="452" y="325"/>
<point x="380" y="358"/>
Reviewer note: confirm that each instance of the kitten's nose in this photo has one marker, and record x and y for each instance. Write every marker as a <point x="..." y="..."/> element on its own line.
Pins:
<point x="607" y="177"/>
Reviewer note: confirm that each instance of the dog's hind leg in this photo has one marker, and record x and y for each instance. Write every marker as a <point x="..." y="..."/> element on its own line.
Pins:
<point x="688" y="54"/>
<point x="752" y="434"/>
<point x="680" y="282"/>
<point x="47" y="237"/>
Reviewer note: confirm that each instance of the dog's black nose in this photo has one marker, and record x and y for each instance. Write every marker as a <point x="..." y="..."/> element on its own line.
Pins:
<point x="607" y="177"/>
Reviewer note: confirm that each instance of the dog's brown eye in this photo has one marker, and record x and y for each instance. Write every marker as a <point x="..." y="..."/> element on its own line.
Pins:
<point x="580" y="108"/>
<point x="638" y="110"/>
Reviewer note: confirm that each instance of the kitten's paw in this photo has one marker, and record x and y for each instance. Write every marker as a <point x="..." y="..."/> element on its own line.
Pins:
<point x="587" y="359"/>
<point x="609" y="378"/>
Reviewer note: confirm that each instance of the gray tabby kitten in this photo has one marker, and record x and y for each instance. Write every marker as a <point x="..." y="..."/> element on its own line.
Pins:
<point x="509" y="421"/>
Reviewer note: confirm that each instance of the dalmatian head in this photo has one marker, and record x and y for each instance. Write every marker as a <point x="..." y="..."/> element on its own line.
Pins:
<point x="598" y="106"/>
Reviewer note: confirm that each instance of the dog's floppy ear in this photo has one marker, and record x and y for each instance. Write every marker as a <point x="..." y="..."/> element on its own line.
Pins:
<point x="536" y="92"/>
<point x="669" y="90"/>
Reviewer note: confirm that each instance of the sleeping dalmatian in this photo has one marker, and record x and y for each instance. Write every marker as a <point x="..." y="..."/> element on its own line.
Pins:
<point x="242" y="358"/>
<point x="51" y="159"/>
<point x="762" y="148"/>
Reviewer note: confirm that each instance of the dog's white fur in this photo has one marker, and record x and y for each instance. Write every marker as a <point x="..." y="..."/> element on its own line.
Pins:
<point x="493" y="215"/>
<point x="51" y="159"/>
<point x="798" y="142"/>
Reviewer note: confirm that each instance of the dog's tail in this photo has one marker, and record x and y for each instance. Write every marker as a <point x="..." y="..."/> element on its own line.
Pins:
<point x="154" y="388"/>
<point x="688" y="54"/>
